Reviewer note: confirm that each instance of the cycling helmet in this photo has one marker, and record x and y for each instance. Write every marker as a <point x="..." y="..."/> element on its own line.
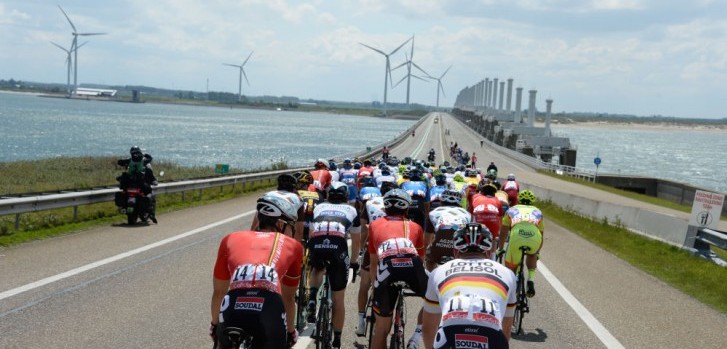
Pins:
<point x="451" y="197"/>
<point x="526" y="197"/>
<point x="510" y="177"/>
<point x="415" y="175"/>
<point x="473" y="237"/>
<point x="135" y="150"/>
<point x="368" y="181"/>
<point x="397" y="198"/>
<point x="273" y="206"/>
<point x="460" y="168"/>
<point x="387" y="186"/>
<point x="458" y="178"/>
<point x="332" y="165"/>
<point x="357" y="165"/>
<point x="287" y="181"/>
<point x="385" y="171"/>
<point x="440" y="179"/>
<point x="405" y="174"/>
<point x="470" y="173"/>
<point x="445" y="164"/>
<point x="303" y="177"/>
<point x="320" y="163"/>
<point x="488" y="189"/>
<point x="492" y="174"/>
<point x="381" y="165"/>
<point x="338" y="192"/>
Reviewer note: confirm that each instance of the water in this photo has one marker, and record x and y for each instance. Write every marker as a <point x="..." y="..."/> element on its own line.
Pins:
<point x="33" y="127"/>
<point x="691" y="156"/>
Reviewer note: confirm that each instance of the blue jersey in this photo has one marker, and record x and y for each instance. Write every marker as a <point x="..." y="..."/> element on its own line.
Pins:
<point x="368" y="193"/>
<point x="436" y="192"/>
<point x="416" y="189"/>
<point x="349" y="176"/>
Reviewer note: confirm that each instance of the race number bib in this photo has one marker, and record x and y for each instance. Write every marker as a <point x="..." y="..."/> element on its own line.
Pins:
<point x="471" y="308"/>
<point x="396" y="247"/>
<point x="255" y="276"/>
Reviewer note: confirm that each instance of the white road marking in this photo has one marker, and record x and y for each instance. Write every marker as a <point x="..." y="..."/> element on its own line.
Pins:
<point x="596" y="327"/>
<point x="87" y="267"/>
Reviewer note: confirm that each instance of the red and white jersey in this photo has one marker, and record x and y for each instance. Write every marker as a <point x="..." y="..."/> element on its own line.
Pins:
<point x="487" y="210"/>
<point x="395" y="236"/>
<point x="471" y="291"/>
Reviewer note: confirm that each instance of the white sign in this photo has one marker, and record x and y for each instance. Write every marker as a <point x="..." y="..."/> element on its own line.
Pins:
<point x="706" y="209"/>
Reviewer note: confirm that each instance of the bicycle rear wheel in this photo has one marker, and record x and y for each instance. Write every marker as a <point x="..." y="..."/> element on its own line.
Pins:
<point x="397" y="338"/>
<point x="323" y="326"/>
<point x="371" y="321"/>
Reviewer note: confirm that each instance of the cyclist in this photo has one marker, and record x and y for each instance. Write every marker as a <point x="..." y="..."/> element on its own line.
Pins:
<point x="251" y="289"/>
<point x="440" y="185"/>
<point x="333" y="170"/>
<point x="386" y="176"/>
<point x="444" y="221"/>
<point x="418" y="190"/>
<point x="307" y="193"/>
<point x="487" y="209"/>
<point x="396" y="248"/>
<point x="523" y="225"/>
<point x="492" y="178"/>
<point x="472" y="298"/>
<point x="321" y="177"/>
<point x="372" y="209"/>
<point x="287" y="189"/>
<point x="458" y="184"/>
<point x="328" y="251"/>
<point x="512" y="188"/>
<point x="348" y="176"/>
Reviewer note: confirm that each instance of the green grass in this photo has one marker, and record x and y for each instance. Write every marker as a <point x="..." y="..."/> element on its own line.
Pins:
<point x="696" y="277"/>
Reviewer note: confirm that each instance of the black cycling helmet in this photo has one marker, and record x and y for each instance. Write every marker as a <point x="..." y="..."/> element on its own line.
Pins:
<point x="488" y="189"/>
<point x="134" y="150"/>
<point x="273" y="206"/>
<point x="398" y="199"/>
<point x="415" y="175"/>
<point x="385" y="171"/>
<point x="440" y="179"/>
<point x="287" y="182"/>
<point x="332" y="165"/>
<point x="387" y="186"/>
<point x="303" y="177"/>
<point x="338" y="193"/>
<point x="347" y="164"/>
<point x="368" y="181"/>
<point x="473" y="237"/>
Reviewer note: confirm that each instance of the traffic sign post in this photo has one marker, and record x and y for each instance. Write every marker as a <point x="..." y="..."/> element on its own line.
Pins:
<point x="596" y="161"/>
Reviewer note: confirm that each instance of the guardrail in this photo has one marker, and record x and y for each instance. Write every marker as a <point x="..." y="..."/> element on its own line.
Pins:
<point x="709" y="237"/>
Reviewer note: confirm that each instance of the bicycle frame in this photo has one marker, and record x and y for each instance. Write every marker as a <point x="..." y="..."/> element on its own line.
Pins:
<point x="324" y="324"/>
<point x="522" y="300"/>
<point x="302" y="295"/>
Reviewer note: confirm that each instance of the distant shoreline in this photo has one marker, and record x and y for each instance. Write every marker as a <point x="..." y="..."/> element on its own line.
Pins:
<point x="654" y="126"/>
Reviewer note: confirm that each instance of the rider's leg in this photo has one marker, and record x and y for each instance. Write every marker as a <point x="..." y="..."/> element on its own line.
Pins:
<point x="363" y="297"/>
<point x="381" y="332"/>
<point x="315" y="281"/>
<point x="417" y="335"/>
<point x="339" y="315"/>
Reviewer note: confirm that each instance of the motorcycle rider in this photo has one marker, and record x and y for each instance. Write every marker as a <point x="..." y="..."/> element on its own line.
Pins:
<point x="139" y="172"/>
<point x="431" y="154"/>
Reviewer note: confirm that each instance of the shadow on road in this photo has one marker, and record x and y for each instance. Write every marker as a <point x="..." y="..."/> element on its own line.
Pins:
<point x="531" y="336"/>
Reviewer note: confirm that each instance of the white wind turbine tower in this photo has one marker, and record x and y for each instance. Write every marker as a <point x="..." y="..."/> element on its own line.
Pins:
<point x="409" y="62"/>
<point x="74" y="48"/>
<point x="242" y="73"/>
<point x="387" y="73"/>
<point x="439" y="84"/>
<point x="68" y="64"/>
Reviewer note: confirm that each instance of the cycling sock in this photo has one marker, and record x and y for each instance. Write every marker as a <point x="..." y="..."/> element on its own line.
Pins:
<point x="531" y="274"/>
<point x="417" y="334"/>
<point x="361" y="316"/>
<point x="336" y="339"/>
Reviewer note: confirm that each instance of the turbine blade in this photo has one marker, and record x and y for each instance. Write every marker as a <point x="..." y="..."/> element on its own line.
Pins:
<point x="232" y="65"/>
<point x="399" y="82"/>
<point x="399" y="66"/>
<point x="420" y="78"/>
<point x="375" y="49"/>
<point x="420" y="69"/>
<point x="89" y="34"/>
<point x="246" y="59"/>
<point x="59" y="46"/>
<point x="445" y="72"/>
<point x="69" y="20"/>
<point x="400" y="46"/>
<point x="442" y="88"/>
<point x="81" y="45"/>
<point x="245" y="75"/>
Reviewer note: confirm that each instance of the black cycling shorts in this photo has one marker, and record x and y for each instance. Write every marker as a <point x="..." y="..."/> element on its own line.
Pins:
<point x="331" y="253"/>
<point x="259" y="312"/>
<point x="416" y="213"/>
<point x="393" y="269"/>
<point x="470" y="336"/>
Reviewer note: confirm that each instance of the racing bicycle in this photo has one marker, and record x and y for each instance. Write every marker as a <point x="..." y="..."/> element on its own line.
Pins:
<point x="522" y="306"/>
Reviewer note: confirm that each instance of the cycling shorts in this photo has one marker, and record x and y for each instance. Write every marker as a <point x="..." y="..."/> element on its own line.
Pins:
<point x="469" y="336"/>
<point x="331" y="253"/>
<point x="407" y="268"/>
<point x="522" y="234"/>
<point x="441" y="248"/>
<point x="259" y="312"/>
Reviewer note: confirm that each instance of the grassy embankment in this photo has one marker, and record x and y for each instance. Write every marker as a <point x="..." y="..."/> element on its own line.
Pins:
<point x="94" y="172"/>
<point x="696" y="277"/>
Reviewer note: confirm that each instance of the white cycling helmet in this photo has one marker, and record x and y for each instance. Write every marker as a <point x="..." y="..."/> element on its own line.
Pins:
<point x="397" y="198"/>
<point x="510" y="177"/>
<point x="451" y="197"/>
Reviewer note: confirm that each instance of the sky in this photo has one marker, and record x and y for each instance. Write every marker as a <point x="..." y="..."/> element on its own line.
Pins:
<point x="641" y="57"/>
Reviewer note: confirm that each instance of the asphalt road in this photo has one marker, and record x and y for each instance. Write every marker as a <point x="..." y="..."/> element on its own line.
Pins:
<point x="149" y="286"/>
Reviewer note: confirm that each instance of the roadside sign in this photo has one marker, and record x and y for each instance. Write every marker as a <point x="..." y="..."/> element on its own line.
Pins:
<point x="597" y="161"/>
<point x="222" y="168"/>
<point x="706" y="209"/>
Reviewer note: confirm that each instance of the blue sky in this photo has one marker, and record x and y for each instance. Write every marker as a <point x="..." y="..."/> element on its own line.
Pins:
<point x="640" y="57"/>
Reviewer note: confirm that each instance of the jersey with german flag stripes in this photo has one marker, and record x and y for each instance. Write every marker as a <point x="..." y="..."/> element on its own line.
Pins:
<point x="469" y="291"/>
<point x="256" y="250"/>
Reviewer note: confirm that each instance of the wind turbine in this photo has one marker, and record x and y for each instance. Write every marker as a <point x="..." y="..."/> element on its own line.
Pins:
<point x="68" y="63"/>
<point x="242" y="73"/>
<point x="409" y="62"/>
<point x="74" y="47"/>
<point x="387" y="73"/>
<point x="439" y="84"/>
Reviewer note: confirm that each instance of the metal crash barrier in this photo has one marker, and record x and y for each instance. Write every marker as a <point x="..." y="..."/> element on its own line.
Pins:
<point x="709" y="237"/>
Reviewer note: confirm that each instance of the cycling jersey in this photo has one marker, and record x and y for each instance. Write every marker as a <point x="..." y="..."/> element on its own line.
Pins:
<point x="321" y="179"/>
<point x="487" y="210"/>
<point x="310" y="200"/>
<point x="473" y="296"/>
<point x="461" y="187"/>
<point x="419" y="193"/>
<point x="399" y="245"/>
<point x="444" y="221"/>
<point x="381" y="179"/>
<point x="373" y="210"/>
<point x="334" y="176"/>
<point x="349" y="177"/>
<point x="327" y="245"/>
<point x="526" y="229"/>
<point x="512" y="188"/>
<point x="367" y="193"/>
<point x="434" y="195"/>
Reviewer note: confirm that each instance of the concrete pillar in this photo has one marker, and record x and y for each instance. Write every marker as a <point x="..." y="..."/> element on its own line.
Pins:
<point x="531" y="108"/>
<point x="474" y="95"/>
<point x="548" y="110"/>
<point x="495" y="86"/>
<point x="484" y="94"/>
<point x="502" y="94"/>
<point x="509" y="94"/>
<point x="518" y="104"/>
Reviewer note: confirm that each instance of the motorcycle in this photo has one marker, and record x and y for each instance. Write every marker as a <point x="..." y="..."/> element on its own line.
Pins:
<point x="136" y="205"/>
<point x="431" y="157"/>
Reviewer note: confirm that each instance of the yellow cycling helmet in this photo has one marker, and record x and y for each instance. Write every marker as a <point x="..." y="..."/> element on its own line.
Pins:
<point x="526" y="197"/>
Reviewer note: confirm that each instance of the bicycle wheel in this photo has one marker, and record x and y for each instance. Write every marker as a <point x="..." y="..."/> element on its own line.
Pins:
<point x="323" y="326"/>
<point x="397" y="338"/>
<point x="371" y="321"/>
<point x="301" y="300"/>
